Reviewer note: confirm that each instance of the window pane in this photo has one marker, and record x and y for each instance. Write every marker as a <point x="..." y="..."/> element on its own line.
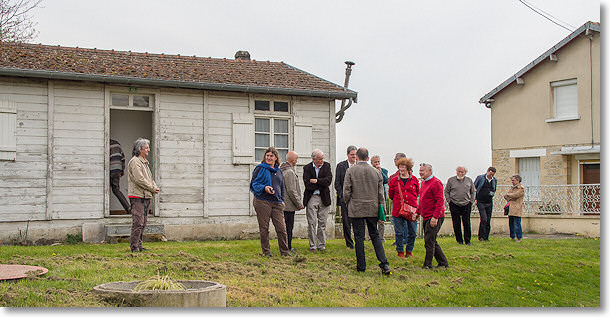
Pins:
<point x="282" y="154"/>
<point x="566" y="101"/>
<point x="261" y="125"/>
<point x="280" y="126"/>
<point x="261" y="105"/>
<point x="258" y="155"/>
<point x="261" y="140"/>
<point x="280" y="106"/>
<point x="120" y="100"/>
<point x="281" y="141"/>
<point x="141" y="101"/>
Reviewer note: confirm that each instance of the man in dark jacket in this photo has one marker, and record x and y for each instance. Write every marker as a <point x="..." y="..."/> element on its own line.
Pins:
<point x="486" y="189"/>
<point x="317" y="177"/>
<point x="339" y="178"/>
<point x="117" y="170"/>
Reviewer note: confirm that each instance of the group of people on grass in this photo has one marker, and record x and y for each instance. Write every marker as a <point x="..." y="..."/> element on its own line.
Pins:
<point x="360" y="195"/>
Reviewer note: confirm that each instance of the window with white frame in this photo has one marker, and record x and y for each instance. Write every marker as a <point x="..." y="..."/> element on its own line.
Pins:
<point x="565" y="99"/>
<point x="271" y="132"/>
<point x="131" y="100"/>
<point x="529" y="170"/>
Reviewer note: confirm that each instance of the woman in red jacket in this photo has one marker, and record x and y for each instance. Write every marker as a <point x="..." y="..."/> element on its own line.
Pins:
<point x="408" y="184"/>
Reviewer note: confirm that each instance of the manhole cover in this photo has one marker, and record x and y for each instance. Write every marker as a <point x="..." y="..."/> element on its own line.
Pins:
<point x="13" y="272"/>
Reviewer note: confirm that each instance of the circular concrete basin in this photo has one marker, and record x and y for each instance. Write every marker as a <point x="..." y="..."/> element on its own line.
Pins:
<point x="196" y="294"/>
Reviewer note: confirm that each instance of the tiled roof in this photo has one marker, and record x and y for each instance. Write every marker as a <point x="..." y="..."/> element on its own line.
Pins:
<point x="174" y="68"/>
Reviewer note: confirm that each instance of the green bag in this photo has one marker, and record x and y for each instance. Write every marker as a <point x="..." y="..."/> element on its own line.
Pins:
<point x="381" y="214"/>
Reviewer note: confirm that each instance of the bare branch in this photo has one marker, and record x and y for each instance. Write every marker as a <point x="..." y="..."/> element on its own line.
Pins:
<point x="16" y="20"/>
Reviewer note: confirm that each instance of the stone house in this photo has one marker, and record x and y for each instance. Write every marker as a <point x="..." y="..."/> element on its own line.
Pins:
<point x="545" y="119"/>
<point x="208" y="120"/>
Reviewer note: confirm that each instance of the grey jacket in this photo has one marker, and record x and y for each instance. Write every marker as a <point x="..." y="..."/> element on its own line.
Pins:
<point x="292" y="193"/>
<point x="363" y="190"/>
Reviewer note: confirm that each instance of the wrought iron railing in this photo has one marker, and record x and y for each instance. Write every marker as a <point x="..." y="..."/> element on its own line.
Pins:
<point x="543" y="200"/>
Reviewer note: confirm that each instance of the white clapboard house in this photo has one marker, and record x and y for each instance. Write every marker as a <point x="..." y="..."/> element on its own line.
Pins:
<point x="208" y="120"/>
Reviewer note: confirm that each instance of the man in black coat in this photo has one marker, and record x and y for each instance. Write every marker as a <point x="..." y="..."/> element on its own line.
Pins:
<point x="339" y="179"/>
<point x="317" y="177"/>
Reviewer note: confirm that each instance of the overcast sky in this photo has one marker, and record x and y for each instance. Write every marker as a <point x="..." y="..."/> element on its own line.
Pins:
<point x="421" y="66"/>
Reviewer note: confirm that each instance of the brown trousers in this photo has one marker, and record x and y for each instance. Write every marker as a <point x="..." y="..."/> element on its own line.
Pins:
<point x="266" y="210"/>
<point x="139" y="216"/>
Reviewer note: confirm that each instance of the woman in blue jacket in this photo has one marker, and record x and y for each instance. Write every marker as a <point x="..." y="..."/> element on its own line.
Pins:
<point x="267" y="185"/>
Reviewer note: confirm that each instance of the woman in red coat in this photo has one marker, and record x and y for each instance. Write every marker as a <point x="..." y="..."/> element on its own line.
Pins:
<point x="408" y="184"/>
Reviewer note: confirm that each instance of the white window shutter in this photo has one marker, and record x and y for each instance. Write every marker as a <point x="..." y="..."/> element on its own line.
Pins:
<point x="565" y="94"/>
<point x="529" y="170"/>
<point x="243" y="138"/>
<point x="8" y="130"/>
<point x="303" y="138"/>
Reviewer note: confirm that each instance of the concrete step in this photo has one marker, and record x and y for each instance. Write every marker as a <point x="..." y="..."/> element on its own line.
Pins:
<point x="125" y="230"/>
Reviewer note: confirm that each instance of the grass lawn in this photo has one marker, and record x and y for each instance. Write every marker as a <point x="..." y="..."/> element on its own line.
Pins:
<point x="499" y="273"/>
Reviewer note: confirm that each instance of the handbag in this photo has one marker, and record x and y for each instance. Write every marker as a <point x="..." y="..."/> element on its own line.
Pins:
<point x="406" y="211"/>
<point x="506" y="208"/>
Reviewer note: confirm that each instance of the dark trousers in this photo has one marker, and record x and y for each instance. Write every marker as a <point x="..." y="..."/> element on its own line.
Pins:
<point x="115" y="180"/>
<point x="459" y="215"/>
<point x="347" y="224"/>
<point x="485" y="209"/>
<point x="139" y="217"/>
<point x="433" y="249"/>
<point x="266" y="210"/>
<point x="289" y="219"/>
<point x="371" y="224"/>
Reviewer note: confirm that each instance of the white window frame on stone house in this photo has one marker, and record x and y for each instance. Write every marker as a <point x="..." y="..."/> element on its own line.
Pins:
<point x="564" y="100"/>
<point x="247" y="126"/>
<point x="529" y="170"/>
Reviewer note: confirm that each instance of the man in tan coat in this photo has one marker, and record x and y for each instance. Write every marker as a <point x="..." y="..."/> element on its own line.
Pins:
<point x="363" y="192"/>
<point x="141" y="189"/>
<point x="292" y="194"/>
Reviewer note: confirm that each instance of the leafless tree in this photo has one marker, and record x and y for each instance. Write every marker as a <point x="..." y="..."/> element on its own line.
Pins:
<point x="16" y="20"/>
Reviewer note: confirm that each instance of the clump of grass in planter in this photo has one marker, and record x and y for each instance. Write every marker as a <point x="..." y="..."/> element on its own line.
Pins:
<point x="158" y="283"/>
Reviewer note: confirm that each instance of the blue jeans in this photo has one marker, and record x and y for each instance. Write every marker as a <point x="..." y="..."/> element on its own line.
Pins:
<point x="405" y="232"/>
<point x="514" y="224"/>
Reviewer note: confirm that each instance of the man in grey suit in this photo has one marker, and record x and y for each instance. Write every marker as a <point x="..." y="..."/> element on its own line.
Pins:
<point x="363" y="192"/>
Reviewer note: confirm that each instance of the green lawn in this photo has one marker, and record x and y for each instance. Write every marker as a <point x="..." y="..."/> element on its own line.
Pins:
<point x="499" y="273"/>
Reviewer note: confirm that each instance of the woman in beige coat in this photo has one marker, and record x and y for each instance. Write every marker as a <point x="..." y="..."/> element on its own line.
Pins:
<point x="515" y="209"/>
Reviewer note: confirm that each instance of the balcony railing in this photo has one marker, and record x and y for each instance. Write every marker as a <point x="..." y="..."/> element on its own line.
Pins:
<point x="543" y="200"/>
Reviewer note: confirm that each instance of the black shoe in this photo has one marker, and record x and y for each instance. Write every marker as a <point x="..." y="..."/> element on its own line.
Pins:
<point x="293" y="251"/>
<point x="267" y="255"/>
<point x="460" y="242"/>
<point x="481" y="239"/>
<point x="143" y="249"/>
<point x="468" y="243"/>
<point x="385" y="270"/>
<point x="442" y="266"/>
<point x="287" y="255"/>
<point x="313" y="251"/>
<point x="427" y="267"/>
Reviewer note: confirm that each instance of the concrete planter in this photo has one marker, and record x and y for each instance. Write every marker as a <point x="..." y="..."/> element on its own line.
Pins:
<point x="196" y="294"/>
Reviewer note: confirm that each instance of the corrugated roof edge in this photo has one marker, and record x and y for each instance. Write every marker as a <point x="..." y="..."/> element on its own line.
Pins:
<point x="28" y="73"/>
<point x="589" y="25"/>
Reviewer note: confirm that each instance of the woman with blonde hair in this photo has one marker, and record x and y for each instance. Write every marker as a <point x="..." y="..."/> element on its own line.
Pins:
<point x="267" y="185"/>
<point x="514" y="196"/>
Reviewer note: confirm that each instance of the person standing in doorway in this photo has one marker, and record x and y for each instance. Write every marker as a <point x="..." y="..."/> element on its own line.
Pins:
<point x="292" y="194"/>
<point x="117" y="170"/>
<point x="339" y="178"/>
<point x="460" y="194"/>
<point x="363" y="192"/>
<point x="317" y="177"/>
<point x="141" y="190"/>
<point x="485" y="185"/>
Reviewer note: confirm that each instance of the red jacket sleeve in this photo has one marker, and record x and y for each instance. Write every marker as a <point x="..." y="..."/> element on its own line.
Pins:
<point x="439" y="209"/>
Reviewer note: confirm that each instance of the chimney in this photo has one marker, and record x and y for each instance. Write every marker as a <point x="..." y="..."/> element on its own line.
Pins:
<point x="243" y="55"/>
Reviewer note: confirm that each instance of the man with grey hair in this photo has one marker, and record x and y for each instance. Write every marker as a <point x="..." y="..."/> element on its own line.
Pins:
<point x="339" y="178"/>
<point x="460" y="194"/>
<point x="317" y="177"/>
<point x="292" y="194"/>
<point x="363" y="192"/>
<point x="140" y="191"/>
<point x="432" y="210"/>
<point x="376" y="163"/>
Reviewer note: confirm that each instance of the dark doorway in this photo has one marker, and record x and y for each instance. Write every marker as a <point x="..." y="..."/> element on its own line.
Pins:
<point x="590" y="194"/>
<point x="126" y="126"/>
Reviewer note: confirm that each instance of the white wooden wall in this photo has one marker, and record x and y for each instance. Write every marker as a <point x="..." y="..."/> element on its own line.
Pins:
<point x="23" y="181"/>
<point x="180" y="153"/>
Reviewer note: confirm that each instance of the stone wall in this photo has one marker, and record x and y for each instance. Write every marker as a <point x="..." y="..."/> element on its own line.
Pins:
<point x="555" y="169"/>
